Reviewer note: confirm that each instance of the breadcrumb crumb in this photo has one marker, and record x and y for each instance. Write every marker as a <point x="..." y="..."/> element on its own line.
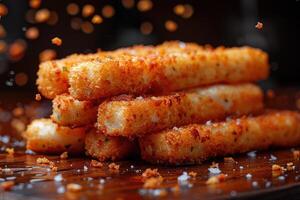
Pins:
<point x="74" y="187"/>
<point x="153" y="182"/>
<point x="57" y="41"/>
<point x="148" y="173"/>
<point x="38" y="97"/>
<point x="43" y="160"/>
<point x="277" y="170"/>
<point x="97" y="19"/>
<point x="7" y="185"/>
<point x="216" y="179"/>
<point x="64" y="155"/>
<point x="95" y="163"/>
<point x="10" y="151"/>
<point x="259" y="25"/>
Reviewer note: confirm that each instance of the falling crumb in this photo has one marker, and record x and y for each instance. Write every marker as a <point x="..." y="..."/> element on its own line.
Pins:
<point x="88" y="10"/>
<point x="179" y="9"/>
<point x="47" y="54"/>
<point x="7" y="185"/>
<point x="97" y="19"/>
<point x="128" y="3"/>
<point x="57" y="41"/>
<point x="114" y="167"/>
<point x="171" y="25"/>
<point x="72" y="9"/>
<point x="108" y="11"/>
<point x="153" y="182"/>
<point x="64" y="155"/>
<point x="43" y="160"/>
<point x="32" y="33"/>
<point x="95" y="163"/>
<point x="216" y="179"/>
<point x="73" y="187"/>
<point x="42" y="15"/>
<point x="296" y="154"/>
<point x="3" y="10"/>
<point x="17" y="49"/>
<point x="144" y="5"/>
<point x="35" y="3"/>
<point x="146" y="28"/>
<point x="10" y="151"/>
<point x="87" y="27"/>
<point x="259" y="26"/>
<point x="193" y="174"/>
<point x="150" y="173"/>
<point x="38" y="97"/>
<point x="229" y="160"/>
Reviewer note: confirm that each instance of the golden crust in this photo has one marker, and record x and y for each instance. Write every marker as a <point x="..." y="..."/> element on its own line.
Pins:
<point x="195" y="143"/>
<point x="45" y="136"/>
<point x="167" y="67"/>
<point x="129" y="117"/>
<point x="68" y="111"/>
<point x="104" y="147"/>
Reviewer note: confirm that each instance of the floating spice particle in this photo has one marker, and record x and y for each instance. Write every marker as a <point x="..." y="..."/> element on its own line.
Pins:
<point x="35" y="3"/>
<point x="259" y="26"/>
<point x="2" y="31"/>
<point x="7" y="185"/>
<point x="73" y="187"/>
<point x="95" y="163"/>
<point x="188" y="11"/>
<point x="3" y="46"/>
<point x="150" y="173"/>
<point x="10" y="151"/>
<point x="97" y="19"/>
<point x="3" y="10"/>
<point x="72" y="9"/>
<point x="144" y="5"/>
<point x="108" y="11"/>
<point x="88" y="10"/>
<point x="16" y="50"/>
<point x="128" y="3"/>
<point x="179" y="9"/>
<point x="57" y="41"/>
<point x="32" y="33"/>
<point x="171" y="25"/>
<point x="38" y="97"/>
<point x="87" y="27"/>
<point x="42" y="15"/>
<point x="146" y="28"/>
<point x="42" y="160"/>
<point x="21" y="79"/>
<point x="47" y="54"/>
<point x="216" y="179"/>
<point x="296" y="154"/>
<point x="153" y="182"/>
<point x="64" y="155"/>
<point x="193" y="174"/>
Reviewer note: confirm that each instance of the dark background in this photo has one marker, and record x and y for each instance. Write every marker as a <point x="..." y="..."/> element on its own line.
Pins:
<point x="228" y="23"/>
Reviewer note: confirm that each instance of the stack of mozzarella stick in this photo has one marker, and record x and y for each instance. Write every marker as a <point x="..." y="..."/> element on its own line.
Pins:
<point x="175" y="103"/>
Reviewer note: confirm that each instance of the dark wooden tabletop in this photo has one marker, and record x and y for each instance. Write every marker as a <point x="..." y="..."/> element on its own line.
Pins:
<point x="247" y="178"/>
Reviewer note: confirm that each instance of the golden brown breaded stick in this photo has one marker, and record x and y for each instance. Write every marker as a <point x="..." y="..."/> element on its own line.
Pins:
<point x="104" y="147"/>
<point x="68" y="111"/>
<point x="53" y="75"/>
<point x="168" y="67"/>
<point x="45" y="136"/>
<point x="195" y="143"/>
<point x="136" y="116"/>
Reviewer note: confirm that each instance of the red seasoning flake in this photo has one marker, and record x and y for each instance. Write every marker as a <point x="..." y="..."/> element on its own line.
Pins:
<point x="259" y="26"/>
<point x="7" y="185"/>
<point x="38" y="97"/>
<point x="150" y="173"/>
<point x="57" y="41"/>
<point x="95" y="163"/>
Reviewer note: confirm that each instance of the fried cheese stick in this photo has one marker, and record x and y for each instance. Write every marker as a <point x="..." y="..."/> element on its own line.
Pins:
<point x="195" y="143"/>
<point x="132" y="117"/>
<point x="102" y="147"/>
<point x="68" y="111"/>
<point x="168" y="67"/>
<point x="45" y="136"/>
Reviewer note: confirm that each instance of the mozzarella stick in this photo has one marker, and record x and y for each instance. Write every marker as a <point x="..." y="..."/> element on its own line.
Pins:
<point x="196" y="143"/>
<point x="104" y="147"/>
<point x="68" y="111"/>
<point x="166" y="69"/>
<point x="45" y="136"/>
<point x="132" y="117"/>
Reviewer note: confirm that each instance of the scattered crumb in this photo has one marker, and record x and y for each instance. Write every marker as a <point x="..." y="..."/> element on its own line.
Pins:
<point x="296" y="154"/>
<point x="42" y="15"/>
<point x="64" y="155"/>
<point x="216" y="179"/>
<point x="32" y="33"/>
<point x="114" y="167"/>
<point x="88" y="10"/>
<point x="153" y="182"/>
<point x="7" y="185"/>
<point x="43" y="160"/>
<point x="290" y="166"/>
<point x="277" y="170"/>
<point x="259" y="26"/>
<point x="193" y="174"/>
<point x="57" y="41"/>
<point x="95" y="163"/>
<point x="229" y="159"/>
<point x="73" y="187"/>
<point x="38" y="97"/>
<point x="148" y="173"/>
<point x="10" y="151"/>
<point x="97" y="19"/>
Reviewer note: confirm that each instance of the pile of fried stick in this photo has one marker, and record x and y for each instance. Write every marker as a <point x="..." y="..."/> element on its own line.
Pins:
<point x="174" y="103"/>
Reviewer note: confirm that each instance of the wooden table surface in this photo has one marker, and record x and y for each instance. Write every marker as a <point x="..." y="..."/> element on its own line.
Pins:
<point x="35" y="181"/>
